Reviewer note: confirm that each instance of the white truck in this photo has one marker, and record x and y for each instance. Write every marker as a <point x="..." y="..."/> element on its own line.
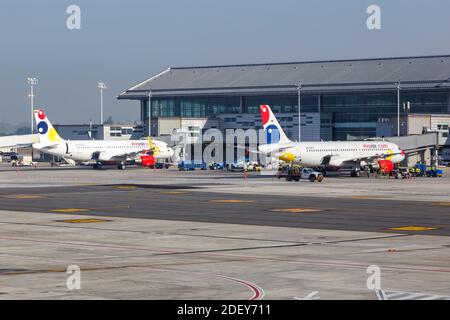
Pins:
<point x="23" y="161"/>
<point x="311" y="175"/>
<point x="295" y="173"/>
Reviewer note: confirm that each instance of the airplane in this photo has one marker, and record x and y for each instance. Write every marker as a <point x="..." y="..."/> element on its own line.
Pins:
<point x="17" y="141"/>
<point x="328" y="156"/>
<point x="98" y="152"/>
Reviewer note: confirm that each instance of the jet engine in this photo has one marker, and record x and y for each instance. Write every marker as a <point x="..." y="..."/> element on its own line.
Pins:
<point x="384" y="166"/>
<point x="147" y="160"/>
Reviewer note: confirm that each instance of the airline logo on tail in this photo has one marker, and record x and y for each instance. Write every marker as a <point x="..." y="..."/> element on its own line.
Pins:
<point x="45" y="129"/>
<point x="274" y="132"/>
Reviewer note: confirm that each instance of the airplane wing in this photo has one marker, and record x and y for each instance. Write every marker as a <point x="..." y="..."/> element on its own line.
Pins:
<point x="126" y="156"/>
<point x="338" y="160"/>
<point x="18" y="141"/>
<point x="381" y="156"/>
<point x="106" y="156"/>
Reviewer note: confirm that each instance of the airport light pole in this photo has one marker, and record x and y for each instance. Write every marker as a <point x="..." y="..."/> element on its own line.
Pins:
<point x="398" y="107"/>
<point x="299" y="96"/>
<point x="149" y="113"/>
<point x="101" y="86"/>
<point x="32" y="82"/>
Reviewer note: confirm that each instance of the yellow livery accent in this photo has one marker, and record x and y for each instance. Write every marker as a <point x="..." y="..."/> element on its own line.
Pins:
<point x="53" y="135"/>
<point x="389" y="152"/>
<point x="287" y="157"/>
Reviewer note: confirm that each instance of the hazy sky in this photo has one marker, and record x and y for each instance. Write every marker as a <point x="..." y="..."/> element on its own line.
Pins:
<point x="123" y="42"/>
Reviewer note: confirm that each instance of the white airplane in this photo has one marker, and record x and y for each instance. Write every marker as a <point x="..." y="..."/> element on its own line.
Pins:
<point x="97" y="152"/>
<point x="331" y="155"/>
<point x="17" y="141"/>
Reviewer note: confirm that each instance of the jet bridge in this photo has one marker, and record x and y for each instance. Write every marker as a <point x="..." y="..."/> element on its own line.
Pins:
<point x="423" y="147"/>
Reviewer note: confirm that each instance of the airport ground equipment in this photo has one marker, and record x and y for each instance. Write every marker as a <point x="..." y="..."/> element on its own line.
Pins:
<point x="236" y="166"/>
<point x="295" y="173"/>
<point x="434" y="172"/>
<point x="22" y="161"/>
<point x="400" y="173"/>
<point x="216" y="166"/>
<point x="416" y="171"/>
<point x="421" y="170"/>
<point x="311" y="175"/>
<point x="252" y="166"/>
<point x="191" y="165"/>
<point x="290" y="173"/>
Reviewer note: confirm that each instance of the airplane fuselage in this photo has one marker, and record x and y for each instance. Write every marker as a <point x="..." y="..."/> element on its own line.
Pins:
<point x="314" y="154"/>
<point x="99" y="150"/>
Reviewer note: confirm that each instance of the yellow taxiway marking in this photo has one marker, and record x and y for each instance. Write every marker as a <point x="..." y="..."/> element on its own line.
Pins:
<point x="174" y="192"/>
<point x="442" y="204"/>
<point x="232" y="201"/>
<point x="84" y="220"/>
<point x="25" y="196"/>
<point x="124" y="187"/>
<point x="413" y="228"/>
<point x="70" y="210"/>
<point x="296" y="210"/>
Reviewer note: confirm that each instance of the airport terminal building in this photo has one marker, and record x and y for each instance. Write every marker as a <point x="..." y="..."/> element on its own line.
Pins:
<point x="340" y="100"/>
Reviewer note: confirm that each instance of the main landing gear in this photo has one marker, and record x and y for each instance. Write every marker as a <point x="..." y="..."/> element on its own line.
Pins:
<point x="97" y="166"/>
<point x="355" y="173"/>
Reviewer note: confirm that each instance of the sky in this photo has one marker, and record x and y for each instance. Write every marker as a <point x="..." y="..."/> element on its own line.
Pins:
<point x="123" y="42"/>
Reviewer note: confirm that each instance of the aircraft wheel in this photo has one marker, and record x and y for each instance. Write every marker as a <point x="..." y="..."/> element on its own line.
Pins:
<point x="121" y="166"/>
<point x="355" y="173"/>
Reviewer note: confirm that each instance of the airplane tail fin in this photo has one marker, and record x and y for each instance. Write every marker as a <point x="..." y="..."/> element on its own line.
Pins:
<point x="272" y="129"/>
<point x="45" y="130"/>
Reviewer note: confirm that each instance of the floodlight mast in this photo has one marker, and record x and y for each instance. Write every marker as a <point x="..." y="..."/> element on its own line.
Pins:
<point x="32" y="81"/>
<point x="102" y="86"/>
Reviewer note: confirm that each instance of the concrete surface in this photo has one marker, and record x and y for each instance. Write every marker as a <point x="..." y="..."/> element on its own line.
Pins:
<point x="214" y="235"/>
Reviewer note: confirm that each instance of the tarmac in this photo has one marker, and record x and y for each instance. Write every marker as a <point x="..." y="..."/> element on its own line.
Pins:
<point x="164" y="234"/>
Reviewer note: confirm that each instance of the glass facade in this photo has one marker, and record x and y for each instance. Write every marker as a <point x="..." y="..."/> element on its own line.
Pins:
<point x="192" y="107"/>
<point x="353" y="115"/>
<point x="356" y="116"/>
